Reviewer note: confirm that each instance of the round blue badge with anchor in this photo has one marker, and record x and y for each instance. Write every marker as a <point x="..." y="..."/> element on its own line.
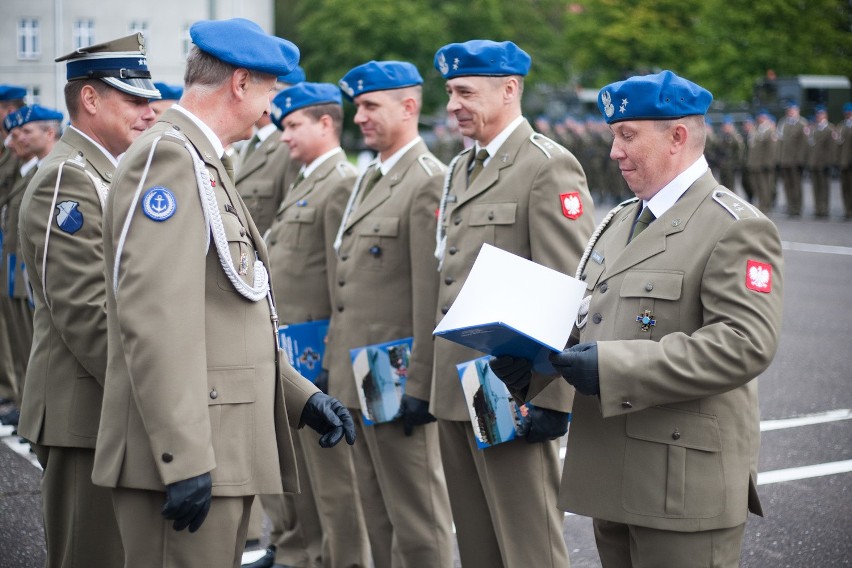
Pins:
<point x="159" y="203"/>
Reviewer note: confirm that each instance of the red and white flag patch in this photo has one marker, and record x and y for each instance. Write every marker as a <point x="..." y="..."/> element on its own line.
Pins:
<point x="572" y="206"/>
<point x="759" y="276"/>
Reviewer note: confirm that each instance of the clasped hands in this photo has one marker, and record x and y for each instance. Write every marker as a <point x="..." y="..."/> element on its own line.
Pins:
<point x="578" y="365"/>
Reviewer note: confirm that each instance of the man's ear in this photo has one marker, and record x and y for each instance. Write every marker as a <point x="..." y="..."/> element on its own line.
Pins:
<point x="679" y="137"/>
<point x="90" y="100"/>
<point x="240" y="80"/>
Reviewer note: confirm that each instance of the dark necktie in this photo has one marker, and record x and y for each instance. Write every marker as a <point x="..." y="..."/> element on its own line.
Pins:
<point x="299" y="180"/>
<point x="229" y="165"/>
<point x="642" y="222"/>
<point x="251" y="147"/>
<point x="371" y="180"/>
<point x="478" y="164"/>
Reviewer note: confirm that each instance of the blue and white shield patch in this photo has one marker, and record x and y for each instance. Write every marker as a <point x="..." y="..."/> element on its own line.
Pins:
<point x="69" y="218"/>
<point x="159" y="203"/>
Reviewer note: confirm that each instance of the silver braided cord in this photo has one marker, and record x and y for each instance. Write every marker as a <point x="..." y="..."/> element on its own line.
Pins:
<point x="350" y="205"/>
<point x="440" y="234"/>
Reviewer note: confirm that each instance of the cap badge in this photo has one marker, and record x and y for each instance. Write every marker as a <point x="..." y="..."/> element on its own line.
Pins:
<point x="623" y="108"/>
<point x="606" y="99"/>
<point x="646" y="320"/>
<point x="442" y="64"/>
<point x="347" y="89"/>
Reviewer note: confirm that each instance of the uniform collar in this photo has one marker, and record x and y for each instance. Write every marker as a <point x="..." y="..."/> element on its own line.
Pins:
<point x="206" y="130"/>
<point x="498" y="141"/>
<point x="264" y="133"/>
<point x="113" y="159"/>
<point x="666" y="197"/>
<point x="31" y="163"/>
<point x="388" y="164"/>
<point x="312" y="167"/>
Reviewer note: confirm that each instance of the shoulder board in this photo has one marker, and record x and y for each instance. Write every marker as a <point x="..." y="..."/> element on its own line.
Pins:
<point x="545" y="144"/>
<point x="175" y="133"/>
<point x="78" y="161"/>
<point x="431" y="164"/>
<point x="735" y="205"/>
<point x="346" y="169"/>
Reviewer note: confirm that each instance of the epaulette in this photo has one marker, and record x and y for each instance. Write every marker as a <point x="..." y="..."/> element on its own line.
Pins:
<point x="545" y="144"/>
<point x="431" y="164"/>
<point x="78" y="161"/>
<point x="346" y="169"/>
<point x="735" y="205"/>
<point x="174" y="132"/>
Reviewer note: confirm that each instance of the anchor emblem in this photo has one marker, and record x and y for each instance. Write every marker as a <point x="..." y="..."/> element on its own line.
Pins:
<point x="159" y="203"/>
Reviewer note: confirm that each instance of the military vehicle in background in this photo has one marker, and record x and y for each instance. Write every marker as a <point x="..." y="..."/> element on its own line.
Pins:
<point x="773" y="93"/>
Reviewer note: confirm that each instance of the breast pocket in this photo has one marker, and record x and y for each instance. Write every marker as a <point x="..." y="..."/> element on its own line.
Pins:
<point x="651" y="299"/>
<point x="230" y="402"/>
<point x="494" y="222"/>
<point x="241" y="249"/>
<point x="673" y="464"/>
<point x="379" y="246"/>
<point x="298" y="226"/>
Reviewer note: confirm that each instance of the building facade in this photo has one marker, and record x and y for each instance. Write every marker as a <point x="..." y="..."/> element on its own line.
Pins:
<point x="34" y="32"/>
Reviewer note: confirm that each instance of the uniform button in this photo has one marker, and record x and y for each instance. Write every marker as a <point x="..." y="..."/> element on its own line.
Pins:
<point x="296" y="216"/>
<point x="376" y="229"/>
<point x="339" y="308"/>
<point x="449" y="280"/>
<point x="649" y="286"/>
<point x="456" y="220"/>
<point x="167" y="457"/>
<point x="254" y="191"/>
<point x="213" y="394"/>
<point x="272" y="243"/>
<point x="491" y="215"/>
<point x="453" y="250"/>
<point x="444" y="310"/>
<point x="348" y="232"/>
<point x="242" y="231"/>
<point x="676" y="435"/>
<point x="626" y="404"/>
<point x="344" y="257"/>
<point x="603" y="287"/>
<point x="583" y="277"/>
<point x="597" y="318"/>
<point x="341" y="282"/>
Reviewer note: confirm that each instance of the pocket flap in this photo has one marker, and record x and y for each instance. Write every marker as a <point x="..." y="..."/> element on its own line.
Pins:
<point x="652" y="284"/>
<point x="493" y="214"/>
<point x="675" y="428"/>
<point x="300" y="215"/>
<point x="379" y="227"/>
<point x="230" y="385"/>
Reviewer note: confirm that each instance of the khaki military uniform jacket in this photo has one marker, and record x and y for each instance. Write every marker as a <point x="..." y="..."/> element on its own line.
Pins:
<point x="65" y="377"/>
<point x="301" y="241"/>
<point x="792" y="142"/>
<point x="823" y="146"/>
<point x="386" y="277"/>
<point x="517" y="203"/>
<point x="264" y="177"/>
<point x="13" y="276"/>
<point x="191" y="383"/>
<point x="844" y="141"/>
<point x="672" y="441"/>
<point x="761" y="148"/>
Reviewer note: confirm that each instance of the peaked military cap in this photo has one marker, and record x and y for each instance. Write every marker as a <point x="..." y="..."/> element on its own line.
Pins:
<point x="120" y="63"/>
<point x="12" y="93"/>
<point x="300" y="96"/>
<point x="243" y="43"/>
<point x="659" y="96"/>
<point x="31" y="113"/>
<point x="297" y="75"/>
<point x="482" y="57"/>
<point x="379" y="76"/>
<point x="169" y="92"/>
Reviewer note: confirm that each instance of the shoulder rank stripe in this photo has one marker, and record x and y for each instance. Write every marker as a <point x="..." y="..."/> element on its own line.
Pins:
<point x="545" y="144"/>
<point x="735" y="205"/>
<point x="431" y="164"/>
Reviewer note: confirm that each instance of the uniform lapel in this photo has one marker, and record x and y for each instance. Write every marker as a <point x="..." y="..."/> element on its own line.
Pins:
<point x="505" y="157"/>
<point x="305" y="188"/>
<point x="94" y="155"/>
<point x="259" y="157"/>
<point x="652" y="241"/>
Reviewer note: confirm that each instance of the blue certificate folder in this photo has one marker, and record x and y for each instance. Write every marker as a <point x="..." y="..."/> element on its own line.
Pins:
<point x="494" y="414"/>
<point x="510" y="305"/>
<point x="380" y="371"/>
<point x="304" y="344"/>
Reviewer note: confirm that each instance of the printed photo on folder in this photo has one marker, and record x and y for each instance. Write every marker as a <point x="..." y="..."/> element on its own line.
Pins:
<point x="304" y="344"/>
<point x="494" y="414"/>
<point x="512" y="306"/>
<point x="380" y="372"/>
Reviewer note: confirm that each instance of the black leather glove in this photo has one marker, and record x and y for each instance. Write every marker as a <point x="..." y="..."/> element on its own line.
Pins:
<point x="415" y="412"/>
<point x="543" y="424"/>
<point x="579" y="366"/>
<point x="329" y="418"/>
<point x="515" y="372"/>
<point x="188" y="502"/>
<point x="321" y="381"/>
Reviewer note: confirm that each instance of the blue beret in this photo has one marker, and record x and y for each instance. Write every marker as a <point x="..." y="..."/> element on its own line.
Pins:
<point x="297" y="75"/>
<point x="820" y="108"/>
<point x="847" y="107"/>
<point x="482" y="57"/>
<point x="653" y="97"/>
<point x="169" y="92"/>
<point x="300" y="96"/>
<point x="791" y="104"/>
<point x="12" y="93"/>
<point x="727" y="119"/>
<point x="31" y="113"/>
<point x="243" y="43"/>
<point x="120" y="63"/>
<point x="379" y="76"/>
<point x="764" y="112"/>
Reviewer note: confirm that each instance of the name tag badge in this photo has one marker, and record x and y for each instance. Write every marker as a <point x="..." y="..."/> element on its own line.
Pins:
<point x="597" y="257"/>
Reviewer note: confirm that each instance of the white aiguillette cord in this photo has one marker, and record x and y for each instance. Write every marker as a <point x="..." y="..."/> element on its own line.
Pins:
<point x="350" y="205"/>
<point x="440" y="233"/>
<point x="260" y="287"/>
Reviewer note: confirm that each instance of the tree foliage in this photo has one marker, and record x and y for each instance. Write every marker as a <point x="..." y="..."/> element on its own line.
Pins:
<point x="724" y="45"/>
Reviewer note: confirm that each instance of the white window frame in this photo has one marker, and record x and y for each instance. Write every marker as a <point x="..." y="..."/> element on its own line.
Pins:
<point x="29" y="38"/>
<point x="83" y="33"/>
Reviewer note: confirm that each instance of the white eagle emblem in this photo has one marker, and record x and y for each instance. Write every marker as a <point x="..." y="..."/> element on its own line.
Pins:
<point x="442" y="64"/>
<point x="572" y="207"/>
<point x="606" y="99"/>
<point x="347" y="89"/>
<point x="758" y="276"/>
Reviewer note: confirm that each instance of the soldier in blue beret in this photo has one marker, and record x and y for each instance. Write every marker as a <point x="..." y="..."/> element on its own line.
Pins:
<point x="844" y="140"/>
<point x="527" y="194"/>
<point x="197" y="400"/>
<point x="822" y="158"/>
<point x="169" y="95"/>
<point x="683" y="312"/>
<point x="792" y="132"/>
<point x="385" y="291"/>
<point x="300" y="242"/>
<point x="61" y="238"/>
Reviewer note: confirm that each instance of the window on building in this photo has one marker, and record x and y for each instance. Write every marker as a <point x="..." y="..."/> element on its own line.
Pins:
<point x="84" y="33"/>
<point x="29" y="41"/>
<point x="35" y="94"/>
